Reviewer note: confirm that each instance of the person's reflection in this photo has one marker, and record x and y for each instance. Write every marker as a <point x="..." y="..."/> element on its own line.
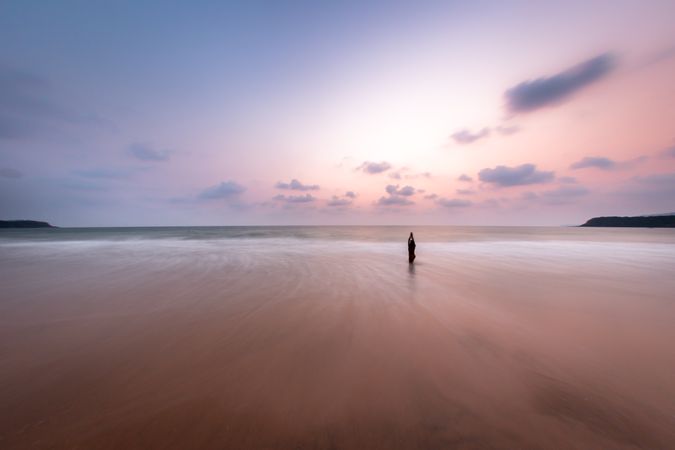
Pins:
<point x="411" y="248"/>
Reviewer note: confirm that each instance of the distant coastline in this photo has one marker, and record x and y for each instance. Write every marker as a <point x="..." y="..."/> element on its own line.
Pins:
<point x="24" y="224"/>
<point x="664" y="221"/>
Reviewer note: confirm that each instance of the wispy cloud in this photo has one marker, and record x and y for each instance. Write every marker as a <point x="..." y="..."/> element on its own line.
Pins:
<point x="453" y="202"/>
<point x="296" y="185"/>
<point x="505" y="176"/>
<point x="465" y="136"/>
<point x="27" y="107"/>
<point x="464" y="178"/>
<point x="547" y="91"/>
<point x="599" y="162"/>
<point x="669" y="152"/>
<point x="508" y="130"/>
<point x="374" y="167"/>
<point x="563" y="194"/>
<point x="8" y="172"/>
<point x="465" y="192"/>
<point x="112" y="173"/>
<point x="146" y="152"/>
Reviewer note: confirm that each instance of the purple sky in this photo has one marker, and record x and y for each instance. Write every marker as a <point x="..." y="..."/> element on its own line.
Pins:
<point x="244" y="113"/>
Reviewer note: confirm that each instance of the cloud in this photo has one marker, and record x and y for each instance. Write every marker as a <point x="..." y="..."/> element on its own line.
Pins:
<point x="464" y="177"/>
<point x="504" y="176"/>
<point x="145" y="152"/>
<point x="397" y="197"/>
<point x="337" y="201"/>
<point x="394" y="200"/>
<point x="657" y="180"/>
<point x="7" y="172"/>
<point x="563" y="194"/>
<point x="567" y="180"/>
<point x="224" y="190"/>
<point x="374" y="167"/>
<point x="112" y="173"/>
<point x="296" y="185"/>
<point x="548" y="91"/>
<point x="508" y="130"/>
<point x="341" y="201"/>
<point x="26" y="108"/>
<point x="453" y="202"/>
<point x="405" y="191"/>
<point x="431" y="196"/>
<point x="307" y="198"/>
<point x="599" y="162"/>
<point x="669" y="152"/>
<point x="662" y="55"/>
<point x="467" y="137"/>
<point x="404" y="172"/>
<point x="465" y="192"/>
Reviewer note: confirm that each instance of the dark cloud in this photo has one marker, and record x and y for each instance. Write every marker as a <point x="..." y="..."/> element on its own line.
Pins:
<point x="350" y="194"/>
<point x="547" y="91"/>
<point x="599" y="162"/>
<point x="405" y="191"/>
<point x="307" y="198"/>
<point x="467" y="137"/>
<point x="453" y="202"/>
<point x="464" y="177"/>
<point x="504" y="176"/>
<point x="224" y="190"/>
<point x="7" y="172"/>
<point x="374" y="167"/>
<point x="145" y="152"/>
<point x="296" y="185"/>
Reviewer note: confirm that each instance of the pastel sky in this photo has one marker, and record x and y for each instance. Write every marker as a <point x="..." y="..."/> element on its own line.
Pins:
<point x="282" y="112"/>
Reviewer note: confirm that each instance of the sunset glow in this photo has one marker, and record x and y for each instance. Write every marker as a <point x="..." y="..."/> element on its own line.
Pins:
<point x="551" y="114"/>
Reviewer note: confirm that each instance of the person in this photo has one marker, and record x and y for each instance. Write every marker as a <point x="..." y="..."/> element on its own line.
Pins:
<point x="411" y="248"/>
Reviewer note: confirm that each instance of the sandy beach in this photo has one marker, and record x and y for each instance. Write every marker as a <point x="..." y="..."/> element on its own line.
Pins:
<point x="325" y="344"/>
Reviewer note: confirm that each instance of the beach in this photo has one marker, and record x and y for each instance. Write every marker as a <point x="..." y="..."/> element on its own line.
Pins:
<point x="326" y="338"/>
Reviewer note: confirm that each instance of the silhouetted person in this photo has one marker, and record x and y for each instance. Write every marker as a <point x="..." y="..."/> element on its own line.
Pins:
<point x="411" y="248"/>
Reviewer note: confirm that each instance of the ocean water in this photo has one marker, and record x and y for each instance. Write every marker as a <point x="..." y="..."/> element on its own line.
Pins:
<point x="325" y="337"/>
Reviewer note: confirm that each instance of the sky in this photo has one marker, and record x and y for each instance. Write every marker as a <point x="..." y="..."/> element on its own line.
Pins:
<point x="365" y="113"/>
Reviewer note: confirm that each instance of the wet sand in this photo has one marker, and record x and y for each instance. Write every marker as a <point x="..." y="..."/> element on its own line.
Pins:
<point x="175" y="345"/>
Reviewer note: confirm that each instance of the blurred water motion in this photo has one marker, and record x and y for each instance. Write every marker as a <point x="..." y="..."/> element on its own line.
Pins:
<point x="325" y="337"/>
